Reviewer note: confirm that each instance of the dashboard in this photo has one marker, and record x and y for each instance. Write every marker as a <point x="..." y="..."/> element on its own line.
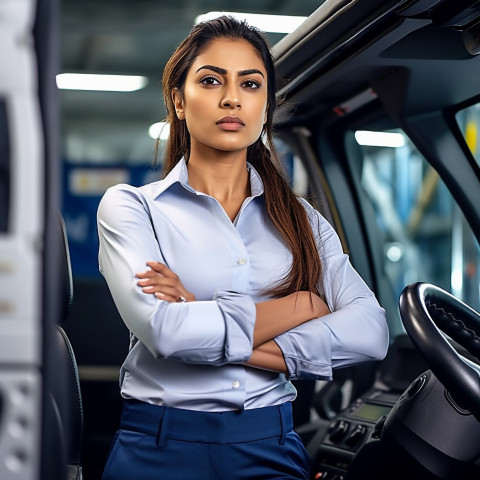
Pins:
<point x="347" y="433"/>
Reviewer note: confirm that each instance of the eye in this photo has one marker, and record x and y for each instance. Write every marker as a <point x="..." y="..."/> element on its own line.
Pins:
<point x="251" y="84"/>
<point x="209" y="80"/>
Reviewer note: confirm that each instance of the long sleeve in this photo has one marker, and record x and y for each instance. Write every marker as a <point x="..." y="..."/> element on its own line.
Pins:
<point x="215" y="332"/>
<point x="354" y="332"/>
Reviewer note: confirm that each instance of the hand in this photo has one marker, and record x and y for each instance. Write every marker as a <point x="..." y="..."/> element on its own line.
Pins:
<point x="163" y="283"/>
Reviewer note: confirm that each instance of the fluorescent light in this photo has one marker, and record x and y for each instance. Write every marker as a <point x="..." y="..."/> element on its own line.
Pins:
<point x="104" y="83"/>
<point x="159" y="130"/>
<point x="266" y="23"/>
<point x="456" y="280"/>
<point x="379" y="139"/>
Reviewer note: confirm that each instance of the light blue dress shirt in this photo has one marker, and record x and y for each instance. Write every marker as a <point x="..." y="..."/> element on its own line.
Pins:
<point x="190" y="355"/>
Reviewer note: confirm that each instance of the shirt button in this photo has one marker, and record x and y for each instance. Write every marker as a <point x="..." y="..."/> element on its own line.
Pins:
<point x="242" y="261"/>
<point x="235" y="384"/>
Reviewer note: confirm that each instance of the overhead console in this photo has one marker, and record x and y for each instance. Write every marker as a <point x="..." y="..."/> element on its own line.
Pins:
<point x="365" y="41"/>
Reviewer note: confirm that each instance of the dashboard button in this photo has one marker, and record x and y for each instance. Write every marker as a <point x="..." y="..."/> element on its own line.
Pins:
<point x="356" y="435"/>
<point x="338" y="431"/>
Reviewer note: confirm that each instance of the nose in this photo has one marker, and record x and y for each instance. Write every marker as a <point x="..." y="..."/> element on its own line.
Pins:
<point x="231" y="98"/>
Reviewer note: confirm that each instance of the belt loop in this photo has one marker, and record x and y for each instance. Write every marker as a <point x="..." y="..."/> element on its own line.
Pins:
<point x="163" y="428"/>
<point x="283" y="425"/>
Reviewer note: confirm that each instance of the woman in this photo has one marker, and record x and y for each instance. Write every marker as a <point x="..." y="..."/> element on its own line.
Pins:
<point x="246" y="287"/>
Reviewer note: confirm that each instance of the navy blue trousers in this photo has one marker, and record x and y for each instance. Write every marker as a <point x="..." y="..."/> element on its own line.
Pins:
<point x="163" y="443"/>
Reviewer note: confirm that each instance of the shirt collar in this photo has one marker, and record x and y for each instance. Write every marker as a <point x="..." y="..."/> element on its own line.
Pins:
<point x="179" y="174"/>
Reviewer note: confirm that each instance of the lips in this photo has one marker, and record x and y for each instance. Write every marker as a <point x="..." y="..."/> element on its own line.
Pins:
<point x="234" y="121"/>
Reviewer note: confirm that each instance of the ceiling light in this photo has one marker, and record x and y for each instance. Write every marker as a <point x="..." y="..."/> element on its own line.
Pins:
<point x="266" y="23"/>
<point x="379" y="139"/>
<point x="104" y="83"/>
<point x="160" y="130"/>
<point x="395" y="252"/>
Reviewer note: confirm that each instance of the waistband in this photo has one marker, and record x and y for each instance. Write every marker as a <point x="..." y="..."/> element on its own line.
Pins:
<point x="207" y="427"/>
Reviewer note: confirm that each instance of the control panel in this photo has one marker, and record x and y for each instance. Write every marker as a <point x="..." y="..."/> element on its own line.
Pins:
<point x="348" y="432"/>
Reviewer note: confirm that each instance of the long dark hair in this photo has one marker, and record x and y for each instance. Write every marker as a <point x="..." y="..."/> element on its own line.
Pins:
<point x="282" y="206"/>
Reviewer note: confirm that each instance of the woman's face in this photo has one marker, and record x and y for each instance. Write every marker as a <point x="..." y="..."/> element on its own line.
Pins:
<point x="225" y="96"/>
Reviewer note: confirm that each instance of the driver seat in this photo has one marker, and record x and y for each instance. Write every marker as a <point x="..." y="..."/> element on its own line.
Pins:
<point x="65" y="395"/>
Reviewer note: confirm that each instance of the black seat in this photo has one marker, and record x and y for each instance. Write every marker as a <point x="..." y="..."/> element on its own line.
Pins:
<point x="66" y="395"/>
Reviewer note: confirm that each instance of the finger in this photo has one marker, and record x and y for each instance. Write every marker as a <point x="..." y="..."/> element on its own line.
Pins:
<point x="158" y="288"/>
<point x="166" y="298"/>
<point x="174" y="298"/>
<point x="162" y="269"/>
<point x="149" y="281"/>
<point x="171" y="295"/>
<point x="169" y="291"/>
<point x="160" y="282"/>
<point x="156" y="266"/>
<point x="149" y="289"/>
<point x="164" y="290"/>
<point x="147" y="274"/>
<point x="153" y="291"/>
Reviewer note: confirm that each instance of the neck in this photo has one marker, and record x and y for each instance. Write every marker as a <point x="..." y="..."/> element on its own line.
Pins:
<point x="222" y="175"/>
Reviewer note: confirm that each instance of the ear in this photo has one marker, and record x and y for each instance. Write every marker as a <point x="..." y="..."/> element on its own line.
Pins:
<point x="177" y="100"/>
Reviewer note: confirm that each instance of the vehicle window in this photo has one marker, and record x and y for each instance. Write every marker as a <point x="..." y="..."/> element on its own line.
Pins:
<point x="293" y="167"/>
<point x="301" y="179"/>
<point x="469" y="122"/>
<point x="425" y="236"/>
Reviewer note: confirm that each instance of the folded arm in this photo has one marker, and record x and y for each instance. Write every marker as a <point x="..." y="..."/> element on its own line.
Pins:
<point x="355" y="331"/>
<point x="215" y="332"/>
<point x="272" y="317"/>
<point x="218" y="331"/>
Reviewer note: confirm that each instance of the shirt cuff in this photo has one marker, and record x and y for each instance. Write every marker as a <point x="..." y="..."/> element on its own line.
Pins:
<point x="306" y="357"/>
<point x="239" y="313"/>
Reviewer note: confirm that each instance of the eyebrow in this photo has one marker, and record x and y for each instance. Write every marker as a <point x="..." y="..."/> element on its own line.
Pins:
<point x="222" y="71"/>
